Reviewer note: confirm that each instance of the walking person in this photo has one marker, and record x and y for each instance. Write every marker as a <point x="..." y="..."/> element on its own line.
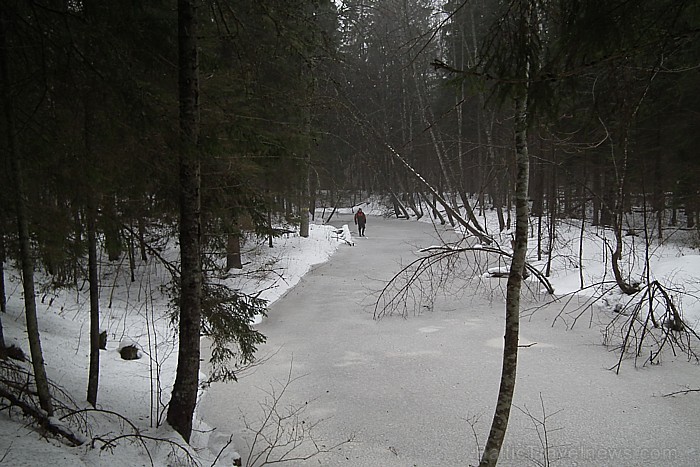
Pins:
<point x="360" y="221"/>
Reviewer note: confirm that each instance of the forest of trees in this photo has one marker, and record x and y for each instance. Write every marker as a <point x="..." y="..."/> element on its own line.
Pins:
<point x="210" y="121"/>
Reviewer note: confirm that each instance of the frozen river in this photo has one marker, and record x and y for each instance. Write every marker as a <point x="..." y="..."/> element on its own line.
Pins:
<point x="421" y="391"/>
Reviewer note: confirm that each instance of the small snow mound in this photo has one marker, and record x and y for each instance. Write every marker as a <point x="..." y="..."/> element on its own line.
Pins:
<point x="498" y="271"/>
<point x="343" y="234"/>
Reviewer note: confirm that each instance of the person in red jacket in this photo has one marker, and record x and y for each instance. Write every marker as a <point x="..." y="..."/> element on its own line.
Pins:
<point x="360" y="221"/>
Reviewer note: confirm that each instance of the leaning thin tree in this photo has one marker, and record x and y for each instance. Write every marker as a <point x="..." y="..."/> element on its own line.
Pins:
<point x="515" y="280"/>
<point x="512" y="51"/>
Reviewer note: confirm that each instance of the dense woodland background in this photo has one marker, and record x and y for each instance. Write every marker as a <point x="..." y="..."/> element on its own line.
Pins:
<point x="309" y="92"/>
<point x="306" y="103"/>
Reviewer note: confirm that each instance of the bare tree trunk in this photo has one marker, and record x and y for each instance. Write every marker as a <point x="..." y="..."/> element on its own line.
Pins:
<point x="495" y="186"/>
<point x="399" y="209"/>
<point x="142" y="239"/>
<point x="515" y="278"/>
<point x="608" y="198"/>
<point x="417" y="209"/>
<point x="553" y="207"/>
<point x="597" y="196"/>
<point x="269" y="224"/>
<point x="25" y="254"/>
<point x="437" y="144"/>
<point x="233" y="251"/>
<point x="3" y="297"/>
<point x="313" y="195"/>
<point x="3" y="257"/>
<point x="111" y="228"/>
<point x="91" y="221"/>
<point x="659" y="198"/>
<point x="433" y="208"/>
<point x="131" y="250"/>
<point x="94" y="371"/>
<point x="469" y="211"/>
<point x="305" y="203"/>
<point x="304" y="207"/>
<point x="451" y="212"/>
<point x="184" y="394"/>
<point x="620" y="200"/>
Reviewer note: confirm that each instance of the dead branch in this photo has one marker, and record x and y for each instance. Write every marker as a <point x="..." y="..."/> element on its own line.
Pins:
<point x="42" y="419"/>
<point x="651" y="318"/>
<point x="685" y="391"/>
<point x="283" y="435"/>
<point x="543" y="432"/>
<point x="405" y="286"/>
<point x="236" y="462"/>
<point x="172" y="268"/>
<point x="110" y="443"/>
<point x="472" y="421"/>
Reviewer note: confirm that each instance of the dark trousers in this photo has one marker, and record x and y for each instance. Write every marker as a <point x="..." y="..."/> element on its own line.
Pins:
<point x="361" y="228"/>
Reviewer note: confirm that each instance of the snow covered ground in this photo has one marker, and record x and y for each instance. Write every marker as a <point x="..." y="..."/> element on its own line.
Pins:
<point x="132" y="312"/>
<point x="137" y="312"/>
<point x="398" y="392"/>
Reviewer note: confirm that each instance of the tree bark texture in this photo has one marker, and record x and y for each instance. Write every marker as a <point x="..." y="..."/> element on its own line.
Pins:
<point x="233" y="251"/>
<point x="94" y="371"/>
<point x="91" y="221"/>
<point x="142" y="238"/>
<point x="3" y="256"/>
<point x="305" y="202"/>
<point x="3" y="297"/>
<point x="184" y="394"/>
<point x="515" y="278"/>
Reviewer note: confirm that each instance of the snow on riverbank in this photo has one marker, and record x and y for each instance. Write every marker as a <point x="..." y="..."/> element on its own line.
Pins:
<point x="138" y="311"/>
<point x="134" y="312"/>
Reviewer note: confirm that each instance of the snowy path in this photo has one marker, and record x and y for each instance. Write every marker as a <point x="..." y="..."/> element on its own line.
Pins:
<point x="405" y="388"/>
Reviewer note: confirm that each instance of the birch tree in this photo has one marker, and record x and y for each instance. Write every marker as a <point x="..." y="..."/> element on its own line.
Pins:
<point x="522" y="19"/>
<point x="535" y="54"/>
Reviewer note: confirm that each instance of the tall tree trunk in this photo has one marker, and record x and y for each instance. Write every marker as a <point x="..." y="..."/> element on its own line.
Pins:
<point x="412" y="204"/>
<point x="3" y="257"/>
<point x="3" y="297"/>
<point x="233" y="249"/>
<point x="495" y="185"/>
<point x="433" y="208"/>
<point x="399" y="209"/>
<point x="142" y="238"/>
<point x="94" y="371"/>
<point x="553" y="207"/>
<point x="659" y="198"/>
<point x="313" y="195"/>
<point x="91" y="221"/>
<point x="269" y="220"/>
<point x="623" y="283"/>
<point x="449" y="210"/>
<point x="111" y="228"/>
<point x="618" y="206"/>
<point x="305" y="202"/>
<point x="428" y="120"/>
<point x="515" y="278"/>
<point x="25" y="254"/>
<point x="304" y="205"/>
<point x="131" y="249"/>
<point x="608" y="202"/>
<point x="184" y="394"/>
